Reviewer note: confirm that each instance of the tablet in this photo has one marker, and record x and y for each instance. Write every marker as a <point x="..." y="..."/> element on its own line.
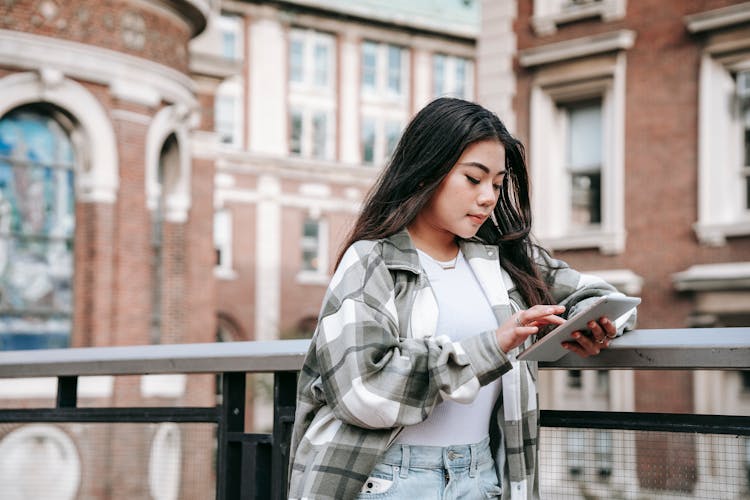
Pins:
<point x="548" y="348"/>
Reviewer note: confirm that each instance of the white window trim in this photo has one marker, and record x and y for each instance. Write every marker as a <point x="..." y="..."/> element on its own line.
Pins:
<point x="318" y="276"/>
<point x="713" y="277"/>
<point x="720" y="145"/>
<point x="548" y="14"/>
<point x="550" y="203"/>
<point x="625" y="280"/>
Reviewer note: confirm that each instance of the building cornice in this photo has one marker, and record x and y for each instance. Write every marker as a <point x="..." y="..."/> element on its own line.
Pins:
<point x="195" y="12"/>
<point x="718" y="18"/>
<point x="146" y="82"/>
<point x="578" y="47"/>
<point x="299" y="169"/>
<point x="713" y="277"/>
<point x="290" y="9"/>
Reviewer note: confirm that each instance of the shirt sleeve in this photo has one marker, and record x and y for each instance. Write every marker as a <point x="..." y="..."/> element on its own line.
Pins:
<point x="576" y="290"/>
<point x="373" y="378"/>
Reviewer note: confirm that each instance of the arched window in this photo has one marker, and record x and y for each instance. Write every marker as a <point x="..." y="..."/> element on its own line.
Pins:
<point x="37" y="224"/>
<point x="166" y="177"/>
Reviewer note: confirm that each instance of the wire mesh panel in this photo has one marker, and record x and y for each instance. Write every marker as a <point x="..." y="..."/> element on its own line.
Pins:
<point x="614" y="464"/>
<point x="164" y="461"/>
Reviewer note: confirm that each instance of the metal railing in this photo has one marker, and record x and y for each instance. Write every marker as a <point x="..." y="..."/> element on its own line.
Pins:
<point x="255" y="465"/>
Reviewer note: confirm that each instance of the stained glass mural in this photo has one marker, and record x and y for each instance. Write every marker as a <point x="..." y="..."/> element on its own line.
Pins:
<point x="37" y="222"/>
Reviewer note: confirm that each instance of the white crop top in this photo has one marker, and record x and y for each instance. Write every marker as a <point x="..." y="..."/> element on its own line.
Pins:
<point x="463" y="311"/>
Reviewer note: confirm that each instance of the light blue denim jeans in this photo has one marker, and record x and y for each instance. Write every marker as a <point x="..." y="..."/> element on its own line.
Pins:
<point x="433" y="472"/>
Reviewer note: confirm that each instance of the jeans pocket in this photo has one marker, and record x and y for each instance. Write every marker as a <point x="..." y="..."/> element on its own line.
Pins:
<point x="380" y="484"/>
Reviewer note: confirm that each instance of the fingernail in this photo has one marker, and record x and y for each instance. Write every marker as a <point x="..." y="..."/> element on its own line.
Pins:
<point x="591" y="324"/>
<point x="576" y="335"/>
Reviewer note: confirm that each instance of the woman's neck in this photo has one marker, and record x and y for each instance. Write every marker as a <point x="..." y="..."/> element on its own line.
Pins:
<point x="439" y="245"/>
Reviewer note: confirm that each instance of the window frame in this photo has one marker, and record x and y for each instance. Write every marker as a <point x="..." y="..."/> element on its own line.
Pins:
<point x="309" y="99"/>
<point x="722" y="210"/>
<point x="320" y="274"/>
<point x="381" y="91"/>
<point x="602" y="78"/>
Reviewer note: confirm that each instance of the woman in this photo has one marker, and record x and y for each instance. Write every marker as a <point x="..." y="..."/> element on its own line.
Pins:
<point x="411" y="388"/>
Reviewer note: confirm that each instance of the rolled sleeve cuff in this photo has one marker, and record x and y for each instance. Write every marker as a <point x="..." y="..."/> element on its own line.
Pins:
<point x="485" y="356"/>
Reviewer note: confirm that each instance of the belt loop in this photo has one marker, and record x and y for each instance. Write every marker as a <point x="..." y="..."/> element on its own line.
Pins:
<point x="405" y="457"/>
<point x="473" y="467"/>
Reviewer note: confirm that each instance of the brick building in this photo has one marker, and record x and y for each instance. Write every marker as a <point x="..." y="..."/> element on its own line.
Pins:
<point x="634" y="113"/>
<point x="105" y="208"/>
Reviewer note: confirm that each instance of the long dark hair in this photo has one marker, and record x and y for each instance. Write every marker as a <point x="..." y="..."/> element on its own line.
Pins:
<point x="428" y="149"/>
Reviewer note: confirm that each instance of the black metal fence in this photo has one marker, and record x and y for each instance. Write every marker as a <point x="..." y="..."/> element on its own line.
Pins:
<point x="254" y="465"/>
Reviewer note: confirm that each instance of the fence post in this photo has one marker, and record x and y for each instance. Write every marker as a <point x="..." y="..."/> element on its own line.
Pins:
<point x="231" y="426"/>
<point x="284" y="405"/>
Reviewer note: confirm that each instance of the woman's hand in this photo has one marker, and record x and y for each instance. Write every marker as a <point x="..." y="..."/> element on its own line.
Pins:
<point x="518" y="327"/>
<point x="602" y="331"/>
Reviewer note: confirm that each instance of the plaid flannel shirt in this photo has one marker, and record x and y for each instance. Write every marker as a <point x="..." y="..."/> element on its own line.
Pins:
<point x="377" y="364"/>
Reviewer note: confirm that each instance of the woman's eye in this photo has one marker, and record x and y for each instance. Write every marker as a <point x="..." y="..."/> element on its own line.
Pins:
<point x="472" y="179"/>
<point x="497" y="187"/>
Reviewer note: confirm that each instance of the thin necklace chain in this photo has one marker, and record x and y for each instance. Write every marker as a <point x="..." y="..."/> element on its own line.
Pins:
<point x="445" y="266"/>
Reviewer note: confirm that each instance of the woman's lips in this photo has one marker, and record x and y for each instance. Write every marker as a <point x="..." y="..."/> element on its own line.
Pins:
<point x="479" y="219"/>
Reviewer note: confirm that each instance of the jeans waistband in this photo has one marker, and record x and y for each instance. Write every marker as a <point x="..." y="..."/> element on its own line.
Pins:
<point x="445" y="457"/>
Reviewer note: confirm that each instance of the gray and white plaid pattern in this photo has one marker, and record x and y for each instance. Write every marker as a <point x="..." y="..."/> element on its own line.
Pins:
<point x="377" y="364"/>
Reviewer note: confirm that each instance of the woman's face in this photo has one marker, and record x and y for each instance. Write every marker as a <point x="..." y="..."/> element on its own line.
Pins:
<point x="468" y="194"/>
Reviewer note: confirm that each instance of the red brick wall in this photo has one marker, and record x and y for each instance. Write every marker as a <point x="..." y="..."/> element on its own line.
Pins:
<point x="120" y="25"/>
<point x="661" y="186"/>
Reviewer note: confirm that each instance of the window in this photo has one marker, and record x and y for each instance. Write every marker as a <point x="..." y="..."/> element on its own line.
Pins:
<point x="369" y="66"/>
<point x="385" y="70"/>
<point x="295" y="130"/>
<point x="452" y="76"/>
<point x="743" y="93"/>
<point x="379" y="139"/>
<point x="230" y="32"/>
<point x="603" y="454"/>
<point x="322" y="63"/>
<point x="296" y="60"/>
<point x="368" y="140"/>
<point x="384" y="100"/>
<point x="394" y="69"/>
<point x="223" y="232"/>
<point x="580" y="452"/>
<point x="37" y="224"/>
<point x="584" y="163"/>
<point x="602" y="382"/>
<point x="312" y="96"/>
<point x="311" y="61"/>
<point x="577" y="143"/>
<point x="723" y="126"/>
<point x="574" y="379"/>
<point x="313" y="246"/>
<point x="576" y="452"/>
<point x="228" y="112"/>
<point x="310" y="134"/>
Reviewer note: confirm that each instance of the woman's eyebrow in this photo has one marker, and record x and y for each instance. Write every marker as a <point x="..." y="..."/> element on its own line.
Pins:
<point x="480" y="166"/>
